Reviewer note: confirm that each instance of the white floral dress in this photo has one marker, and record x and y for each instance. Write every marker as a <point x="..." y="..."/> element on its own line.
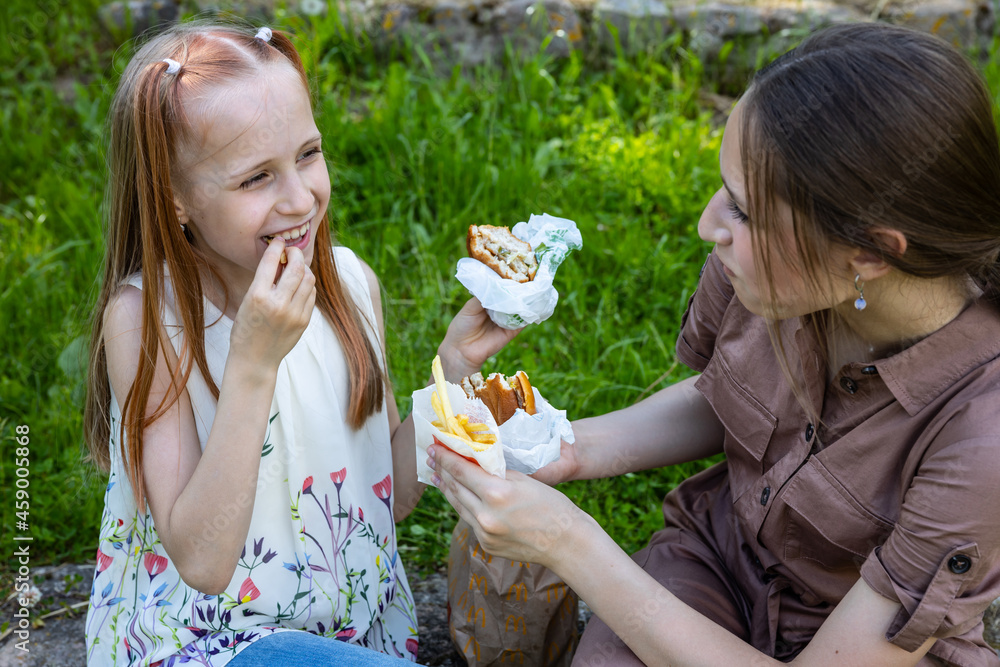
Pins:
<point x="321" y="551"/>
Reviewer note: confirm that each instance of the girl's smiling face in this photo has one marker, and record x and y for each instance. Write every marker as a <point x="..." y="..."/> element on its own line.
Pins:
<point x="726" y="223"/>
<point x="252" y="169"/>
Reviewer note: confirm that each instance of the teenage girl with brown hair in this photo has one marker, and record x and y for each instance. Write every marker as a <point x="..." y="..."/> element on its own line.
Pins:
<point x="847" y="334"/>
<point x="238" y="393"/>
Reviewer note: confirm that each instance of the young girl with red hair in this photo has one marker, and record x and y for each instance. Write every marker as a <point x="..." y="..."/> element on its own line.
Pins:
<point x="238" y="393"/>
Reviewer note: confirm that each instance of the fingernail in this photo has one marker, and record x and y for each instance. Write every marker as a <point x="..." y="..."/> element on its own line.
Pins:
<point x="436" y="479"/>
<point x="431" y="463"/>
<point x="430" y="451"/>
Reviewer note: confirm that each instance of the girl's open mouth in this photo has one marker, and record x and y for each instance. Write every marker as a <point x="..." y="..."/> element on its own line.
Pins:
<point x="295" y="237"/>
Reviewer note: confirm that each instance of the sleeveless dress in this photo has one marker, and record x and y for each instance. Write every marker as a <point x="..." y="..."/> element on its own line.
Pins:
<point x="321" y="551"/>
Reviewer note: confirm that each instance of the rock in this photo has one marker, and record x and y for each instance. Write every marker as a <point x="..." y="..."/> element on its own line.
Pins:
<point x="463" y="35"/>
<point x="57" y="633"/>
<point x="809" y="16"/>
<point x="956" y="21"/>
<point x="474" y="32"/>
<point x="637" y="23"/>
<point x="719" y="20"/>
<point x="991" y="620"/>
<point x="254" y="10"/>
<point x="134" y="17"/>
<point x="430" y="595"/>
<point x="396" y="18"/>
<point x="262" y="10"/>
<point x="528" y="23"/>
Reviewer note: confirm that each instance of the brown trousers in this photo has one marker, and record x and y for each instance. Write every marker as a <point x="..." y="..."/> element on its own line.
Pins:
<point x="699" y="558"/>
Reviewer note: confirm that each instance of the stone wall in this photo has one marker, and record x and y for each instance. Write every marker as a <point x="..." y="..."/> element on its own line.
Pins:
<point x="472" y="32"/>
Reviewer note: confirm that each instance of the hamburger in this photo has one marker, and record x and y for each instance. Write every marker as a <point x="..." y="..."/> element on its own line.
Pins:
<point x="503" y="395"/>
<point x="499" y="249"/>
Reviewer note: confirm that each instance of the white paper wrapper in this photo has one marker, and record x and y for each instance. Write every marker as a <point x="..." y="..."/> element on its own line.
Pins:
<point x="491" y="460"/>
<point x="533" y="441"/>
<point x="510" y="304"/>
<point x="525" y="442"/>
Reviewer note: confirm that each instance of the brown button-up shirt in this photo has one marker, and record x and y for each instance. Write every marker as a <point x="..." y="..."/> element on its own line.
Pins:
<point x="897" y="483"/>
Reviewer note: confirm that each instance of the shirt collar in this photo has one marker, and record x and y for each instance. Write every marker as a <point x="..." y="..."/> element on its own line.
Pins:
<point x="923" y="371"/>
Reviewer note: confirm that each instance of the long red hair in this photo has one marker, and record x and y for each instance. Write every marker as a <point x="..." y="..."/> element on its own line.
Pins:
<point x="145" y="123"/>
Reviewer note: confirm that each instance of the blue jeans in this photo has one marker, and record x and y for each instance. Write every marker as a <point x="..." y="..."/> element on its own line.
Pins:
<point x="303" y="648"/>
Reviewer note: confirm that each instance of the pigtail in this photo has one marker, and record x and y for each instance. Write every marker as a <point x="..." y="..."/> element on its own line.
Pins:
<point x="366" y="369"/>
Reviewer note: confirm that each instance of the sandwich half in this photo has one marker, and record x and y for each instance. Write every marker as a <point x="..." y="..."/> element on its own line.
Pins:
<point x="503" y="252"/>
<point x="502" y="395"/>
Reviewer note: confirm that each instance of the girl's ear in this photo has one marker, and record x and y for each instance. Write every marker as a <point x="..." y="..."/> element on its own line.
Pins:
<point x="181" y="211"/>
<point x="870" y="264"/>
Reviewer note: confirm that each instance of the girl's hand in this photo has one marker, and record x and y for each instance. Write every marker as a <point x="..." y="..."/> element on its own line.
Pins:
<point x="273" y="315"/>
<point x="471" y="339"/>
<point x="516" y="518"/>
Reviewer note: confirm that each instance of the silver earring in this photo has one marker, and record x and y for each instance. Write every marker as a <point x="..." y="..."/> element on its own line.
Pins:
<point x="860" y="302"/>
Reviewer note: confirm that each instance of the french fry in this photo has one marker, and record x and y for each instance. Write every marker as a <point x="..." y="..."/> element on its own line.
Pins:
<point x="476" y="435"/>
<point x="475" y="428"/>
<point x="457" y="429"/>
<point x="438" y="410"/>
<point x="442" y="389"/>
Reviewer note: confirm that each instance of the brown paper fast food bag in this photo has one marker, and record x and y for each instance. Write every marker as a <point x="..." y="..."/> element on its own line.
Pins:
<point x="503" y="612"/>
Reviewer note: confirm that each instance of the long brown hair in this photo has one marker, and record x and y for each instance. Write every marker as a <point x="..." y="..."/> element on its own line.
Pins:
<point x="873" y="125"/>
<point x="143" y="233"/>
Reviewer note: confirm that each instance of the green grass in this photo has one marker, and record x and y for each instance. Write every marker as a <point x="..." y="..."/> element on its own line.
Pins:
<point x="416" y="155"/>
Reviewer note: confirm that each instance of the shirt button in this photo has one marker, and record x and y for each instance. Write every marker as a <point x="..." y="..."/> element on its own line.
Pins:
<point x="849" y="385"/>
<point x="960" y="564"/>
<point x="809" y="432"/>
<point x="764" y="495"/>
<point x="869" y="370"/>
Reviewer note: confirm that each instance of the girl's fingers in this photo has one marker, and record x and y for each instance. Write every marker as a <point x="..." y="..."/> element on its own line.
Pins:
<point x="305" y="296"/>
<point x="292" y="274"/>
<point x="269" y="265"/>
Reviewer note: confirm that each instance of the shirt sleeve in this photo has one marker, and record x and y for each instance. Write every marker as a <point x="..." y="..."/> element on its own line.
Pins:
<point x="942" y="560"/>
<point x="703" y="317"/>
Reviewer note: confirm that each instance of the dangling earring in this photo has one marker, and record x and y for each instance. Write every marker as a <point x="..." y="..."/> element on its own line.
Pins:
<point x="860" y="302"/>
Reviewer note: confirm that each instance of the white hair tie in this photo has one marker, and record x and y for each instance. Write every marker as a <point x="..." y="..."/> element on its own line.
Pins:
<point x="264" y="34"/>
<point x="173" y="67"/>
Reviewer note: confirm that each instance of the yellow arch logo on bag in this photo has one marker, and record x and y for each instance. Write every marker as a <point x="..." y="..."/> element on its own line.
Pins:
<point x="474" y="613"/>
<point x="518" y="623"/>
<point x="475" y="580"/>
<point x="518" y="591"/>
